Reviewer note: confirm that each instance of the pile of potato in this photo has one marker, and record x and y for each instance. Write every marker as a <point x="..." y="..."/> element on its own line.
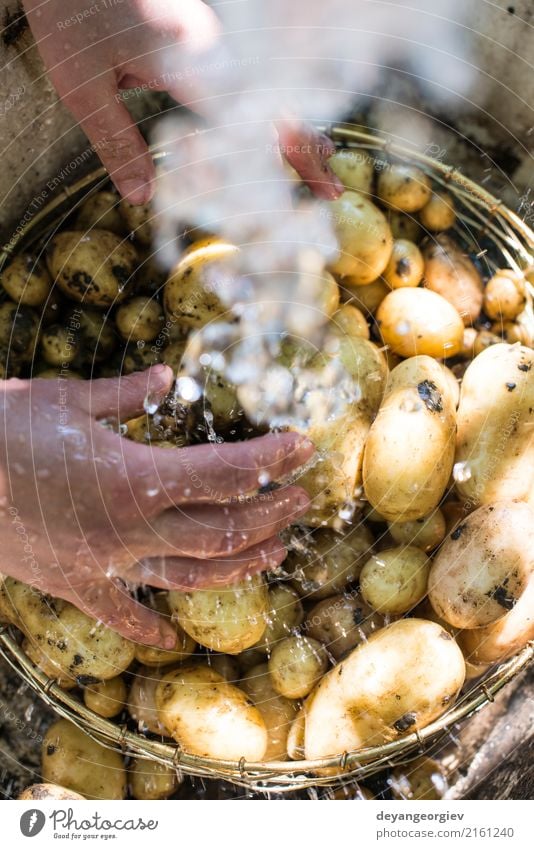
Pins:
<point x="413" y="568"/>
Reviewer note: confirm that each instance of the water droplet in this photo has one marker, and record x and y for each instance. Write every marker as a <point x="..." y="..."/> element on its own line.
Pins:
<point x="264" y="478"/>
<point x="461" y="472"/>
<point x="188" y="389"/>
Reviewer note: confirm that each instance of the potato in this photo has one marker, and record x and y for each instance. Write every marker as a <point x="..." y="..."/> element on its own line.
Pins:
<point x="101" y="210"/>
<point x="423" y="778"/>
<point x="350" y="321"/>
<point x="135" y="358"/>
<point x="418" y="321"/>
<point x="142" y="700"/>
<point x="438" y="214"/>
<point x="227" y="619"/>
<point x="94" y="268"/>
<point x="106" y="698"/>
<point x="62" y="677"/>
<point x="494" y="454"/>
<point x="138" y="220"/>
<point x="225" y="665"/>
<point x="364" y="238"/>
<point x="173" y="354"/>
<point x="454" y="386"/>
<point x="59" y="345"/>
<point x="325" y="562"/>
<point x="96" y="334"/>
<point x="502" y="639"/>
<point x="404" y="188"/>
<point x="395" y="580"/>
<point x="80" y="646"/>
<point x="341" y="622"/>
<point x="405" y="266"/>
<point x="295" y="665"/>
<point x="221" y="397"/>
<point x="152" y="656"/>
<point x="209" y="717"/>
<point x="152" y="780"/>
<point x="284" y="614"/>
<point x="409" y="452"/>
<point x="194" y="292"/>
<point x="139" y="319"/>
<point x="355" y="169"/>
<point x="519" y="331"/>
<point x="19" y="331"/>
<point x="278" y="712"/>
<point x="46" y="792"/>
<point x="450" y="273"/>
<point x="404" y="226"/>
<point x="484" y="566"/>
<point x="74" y="760"/>
<point x="425" y="533"/>
<point x="295" y="738"/>
<point x="26" y="281"/>
<point x="367" y="298"/>
<point x="405" y="676"/>
<point x="505" y="295"/>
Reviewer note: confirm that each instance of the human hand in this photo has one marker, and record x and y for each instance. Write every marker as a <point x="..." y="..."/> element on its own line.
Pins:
<point x="84" y="512"/>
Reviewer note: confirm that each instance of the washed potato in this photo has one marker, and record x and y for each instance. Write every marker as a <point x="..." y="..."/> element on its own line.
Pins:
<point x="295" y="737"/>
<point x="403" y="187"/>
<point x="195" y="291"/>
<point x="59" y="345"/>
<point x="142" y="700"/>
<point x="395" y="580"/>
<point x="94" y="268"/>
<point x="409" y="452"/>
<point x="450" y="272"/>
<point x="228" y="619"/>
<point x="45" y="792"/>
<point x="439" y="213"/>
<point x="325" y="562"/>
<point x="295" y="666"/>
<point x="79" y="645"/>
<point x="209" y="717"/>
<point x="350" y="321"/>
<point x="284" y="614"/>
<point x="101" y="210"/>
<point x="418" y="321"/>
<point x="401" y="679"/>
<point x="404" y="226"/>
<point x="494" y="451"/>
<point x="342" y="622"/>
<point x="61" y="676"/>
<point x="355" y="169"/>
<point x="96" y="334"/>
<point x="278" y="712"/>
<point x="405" y="266"/>
<point x="26" y="280"/>
<point x="173" y="354"/>
<point x="425" y="533"/>
<point x="505" y="295"/>
<point x="502" y="639"/>
<point x="74" y="760"/>
<point x="225" y="665"/>
<point x="222" y="399"/>
<point x="520" y="330"/>
<point x="185" y="645"/>
<point x="19" y="331"/>
<point x="139" y="319"/>
<point x="107" y="698"/>
<point x="138" y="220"/>
<point x="364" y="238"/>
<point x="133" y="358"/>
<point x="152" y="780"/>
<point x="366" y="298"/>
<point x="485" y="565"/>
<point x="454" y="386"/>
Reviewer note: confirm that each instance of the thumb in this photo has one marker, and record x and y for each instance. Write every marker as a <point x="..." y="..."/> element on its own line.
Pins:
<point x="124" y="397"/>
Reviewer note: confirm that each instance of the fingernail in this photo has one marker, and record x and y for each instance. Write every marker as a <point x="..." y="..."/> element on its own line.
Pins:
<point x="136" y="190"/>
<point x="302" y="501"/>
<point x="169" y="642"/>
<point x="305" y="446"/>
<point x="159" y="368"/>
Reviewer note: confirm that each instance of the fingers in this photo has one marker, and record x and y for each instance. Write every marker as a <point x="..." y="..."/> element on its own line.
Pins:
<point x="211" y="473"/>
<point x="180" y="573"/>
<point x="97" y="107"/>
<point x="308" y="152"/>
<point x="217" y="530"/>
<point x="125" y="397"/>
<point x="109" y="602"/>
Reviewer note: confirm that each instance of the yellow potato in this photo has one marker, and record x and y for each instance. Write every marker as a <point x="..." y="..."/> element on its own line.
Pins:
<point x="409" y="452"/>
<point x="450" y="272"/>
<point x="505" y="295"/>
<point x="484" y="566"/>
<point x="404" y="188"/>
<point x="26" y="281"/>
<point x="438" y="214"/>
<point x="94" y="268"/>
<point x="405" y="676"/>
<point x="295" y="738"/>
<point x="74" y="760"/>
<point x="350" y="321"/>
<point x="494" y="448"/>
<point x="278" y="712"/>
<point x="325" y="562"/>
<point x="295" y="665"/>
<point x="425" y="533"/>
<point x="405" y="266"/>
<point x="19" y="331"/>
<point x="404" y="226"/>
<point x="45" y="792"/>
<point x="59" y="345"/>
<point x="355" y="169"/>
<point x="138" y="220"/>
<point x="364" y="238"/>
<point x="139" y="319"/>
<point x="210" y="717"/>
<point x="106" y="698"/>
<point x="366" y="298"/>
<point x="152" y="780"/>
<point x="96" y="334"/>
<point x="228" y="619"/>
<point x="395" y="580"/>
<point x="101" y="210"/>
<point x="225" y="665"/>
<point x="342" y="622"/>
<point x="418" y="321"/>
<point x="152" y="656"/>
<point x="142" y="700"/>
<point x="284" y="614"/>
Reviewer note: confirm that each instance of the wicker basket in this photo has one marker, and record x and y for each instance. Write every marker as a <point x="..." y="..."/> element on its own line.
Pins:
<point x="487" y="228"/>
